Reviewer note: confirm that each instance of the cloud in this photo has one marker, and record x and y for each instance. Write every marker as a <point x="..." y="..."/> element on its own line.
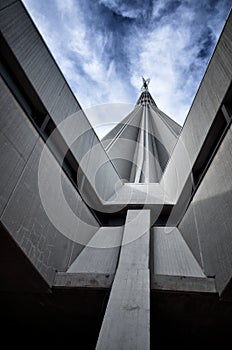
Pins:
<point x="66" y="6"/>
<point x="131" y="9"/>
<point x="104" y="46"/>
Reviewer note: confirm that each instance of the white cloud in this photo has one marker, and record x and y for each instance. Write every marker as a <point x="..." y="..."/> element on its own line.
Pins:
<point x="65" y="7"/>
<point x="89" y="53"/>
<point x="161" y="64"/>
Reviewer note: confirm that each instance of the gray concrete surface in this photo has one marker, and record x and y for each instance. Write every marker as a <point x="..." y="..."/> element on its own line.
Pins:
<point x="126" y="324"/>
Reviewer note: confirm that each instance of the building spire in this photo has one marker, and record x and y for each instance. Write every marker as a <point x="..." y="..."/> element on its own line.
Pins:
<point x="145" y="84"/>
<point x="145" y="98"/>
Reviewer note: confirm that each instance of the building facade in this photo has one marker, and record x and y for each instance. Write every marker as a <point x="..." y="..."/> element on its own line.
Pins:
<point x="113" y="244"/>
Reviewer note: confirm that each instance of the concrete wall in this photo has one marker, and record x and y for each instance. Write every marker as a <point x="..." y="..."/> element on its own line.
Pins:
<point x="5" y="3"/>
<point x="207" y="224"/>
<point x="170" y="254"/>
<point x="49" y="245"/>
<point x="21" y="210"/>
<point x="37" y="62"/>
<point x="18" y="139"/>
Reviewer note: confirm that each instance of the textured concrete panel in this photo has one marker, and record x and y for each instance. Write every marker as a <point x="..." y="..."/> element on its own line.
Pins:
<point x="5" y="3"/>
<point x="37" y="62"/>
<point x="17" y="139"/>
<point x="10" y="170"/>
<point x="126" y="323"/>
<point x="180" y="207"/>
<point x="25" y="219"/>
<point x="208" y="218"/>
<point x="183" y="284"/>
<point x="14" y="124"/>
<point x="101" y="256"/>
<point x="171" y="255"/>
<point x="213" y="207"/>
<point x="64" y="104"/>
<point x="84" y="136"/>
<point x="83" y="280"/>
<point x="16" y="271"/>
<point x="188" y="229"/>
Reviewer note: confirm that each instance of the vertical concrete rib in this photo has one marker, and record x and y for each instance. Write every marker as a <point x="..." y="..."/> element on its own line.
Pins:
<point x="126" y="324"/>
<point x="139" y="156"/>
<point x="154" y="141"/>
<point x="146" y="164"/>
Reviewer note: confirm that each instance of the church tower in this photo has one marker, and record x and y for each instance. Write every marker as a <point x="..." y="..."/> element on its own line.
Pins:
<point x="123" y="243"/>
<point x="141" y="144"/>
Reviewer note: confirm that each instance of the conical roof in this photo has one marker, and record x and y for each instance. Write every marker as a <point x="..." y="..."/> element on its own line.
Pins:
<point x="146" y="98"/>
<point x="141" y="144"/>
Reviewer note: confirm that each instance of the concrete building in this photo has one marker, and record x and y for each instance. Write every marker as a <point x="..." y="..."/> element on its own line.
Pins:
<point x="119" y="244"/>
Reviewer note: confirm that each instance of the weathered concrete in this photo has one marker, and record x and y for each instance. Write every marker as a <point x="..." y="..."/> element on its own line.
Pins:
<point x="37" y="62"/>
<point x="5" y="3"/>
<point x="83" y="280"/>
<point x="101" y="254"/>
<point x="171" y="255"/>
<point x="26" y="220"/>
<point x="183" y="284"/>
<point x="40" y="248"/>
<point x="126" y="323"/>
<point x="208" y="217"/>
<point x="17" y="140"/>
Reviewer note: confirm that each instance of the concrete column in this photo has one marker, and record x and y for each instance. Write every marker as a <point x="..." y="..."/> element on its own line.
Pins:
<point x="126" y="324"/>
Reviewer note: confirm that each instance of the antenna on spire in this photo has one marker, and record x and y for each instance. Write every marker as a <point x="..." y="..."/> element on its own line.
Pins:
<point x="145" y="84"/>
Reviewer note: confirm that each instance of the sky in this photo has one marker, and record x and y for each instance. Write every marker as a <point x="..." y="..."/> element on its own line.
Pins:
<point x="104" y="47"/>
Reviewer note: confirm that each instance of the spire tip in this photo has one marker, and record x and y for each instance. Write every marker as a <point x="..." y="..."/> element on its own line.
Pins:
<point x="145" y="84"/>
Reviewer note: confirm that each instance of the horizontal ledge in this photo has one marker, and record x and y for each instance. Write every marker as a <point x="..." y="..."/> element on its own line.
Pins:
<point x="183" y="284"/>
<point x="83" y="280"/>
<point x="188" y="284"/>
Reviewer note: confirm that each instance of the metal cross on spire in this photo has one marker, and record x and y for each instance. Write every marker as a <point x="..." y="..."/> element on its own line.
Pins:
<point x="145" y="84"/>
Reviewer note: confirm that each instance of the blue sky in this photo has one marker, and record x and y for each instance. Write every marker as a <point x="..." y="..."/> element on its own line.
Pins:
<point x="103" y="47"/>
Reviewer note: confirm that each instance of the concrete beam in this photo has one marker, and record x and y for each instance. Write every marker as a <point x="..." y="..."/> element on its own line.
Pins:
<point x="126" y="324"/>
<point x="65" y="280"/>
<point x="183" y="284"/>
